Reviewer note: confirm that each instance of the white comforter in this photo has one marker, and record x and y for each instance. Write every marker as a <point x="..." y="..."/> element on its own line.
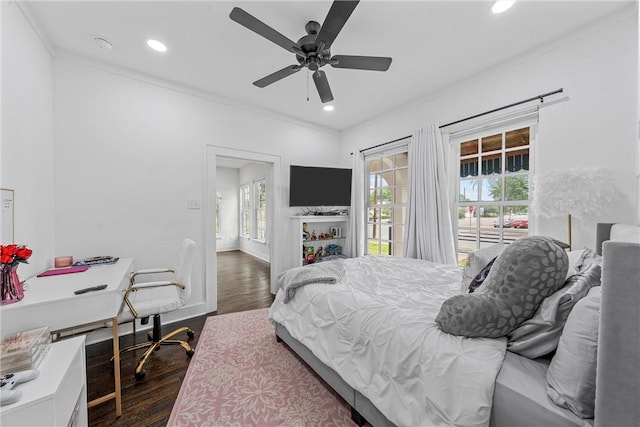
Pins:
<point x="376" y="329"/>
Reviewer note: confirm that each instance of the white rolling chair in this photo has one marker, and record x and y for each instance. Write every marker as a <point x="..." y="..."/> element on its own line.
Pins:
<point x="145" y="299"/>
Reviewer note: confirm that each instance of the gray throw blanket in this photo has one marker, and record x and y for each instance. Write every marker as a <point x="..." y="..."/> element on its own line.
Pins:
<point x="323" y="272"/>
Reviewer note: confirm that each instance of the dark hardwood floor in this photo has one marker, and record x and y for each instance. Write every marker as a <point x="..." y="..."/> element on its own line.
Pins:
<point x="243" y="284"/>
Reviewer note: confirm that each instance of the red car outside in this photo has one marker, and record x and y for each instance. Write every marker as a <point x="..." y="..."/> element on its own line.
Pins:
<point x="520" y="222"/>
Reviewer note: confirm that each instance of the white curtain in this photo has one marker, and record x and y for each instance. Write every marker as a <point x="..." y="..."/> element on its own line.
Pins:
<point x="429" y="229"/>
<point x="357" y="223"/>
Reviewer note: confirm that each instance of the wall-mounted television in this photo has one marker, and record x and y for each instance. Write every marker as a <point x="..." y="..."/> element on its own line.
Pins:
<point x="318" y="186"/>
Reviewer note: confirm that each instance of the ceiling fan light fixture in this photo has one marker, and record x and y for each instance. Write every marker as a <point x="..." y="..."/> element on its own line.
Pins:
<point x="157" y="45"/>
<point x="502" y="6"/>
<point x="328" y="108"/>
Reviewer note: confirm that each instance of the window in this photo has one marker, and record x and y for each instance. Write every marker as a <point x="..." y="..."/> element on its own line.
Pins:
<point x="387" y="203"/>
<point x="218" y="213"/>
<point x="245" y="211"/>
<point x="260" y="208"/>
<point x="493" y="192"/>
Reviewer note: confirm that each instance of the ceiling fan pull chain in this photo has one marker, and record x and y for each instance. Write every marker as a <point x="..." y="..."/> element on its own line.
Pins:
<point x="307" y="85"/>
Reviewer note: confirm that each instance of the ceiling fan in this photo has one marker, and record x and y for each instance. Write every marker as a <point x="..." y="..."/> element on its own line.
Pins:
<point x="313" y="51"/>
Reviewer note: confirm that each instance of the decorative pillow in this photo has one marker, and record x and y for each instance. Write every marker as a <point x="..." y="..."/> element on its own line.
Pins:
<point x="560" y="243"/>
<point x="527" y="271"/>
<point x="581" y="259"/>
<point x="571" y="377"/>
<point x="540" y="334"/>
<point x="574" y="258"/>
<point x="480" y="278"/>
<point x="625" y="233"/>
<point x="482" y="275"/>
<point x="476" y="262"/>
<point x="588" y="258"/>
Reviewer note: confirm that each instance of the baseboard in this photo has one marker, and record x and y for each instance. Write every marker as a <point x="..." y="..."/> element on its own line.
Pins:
<point x="255" y="254"/>
<point x="104" y="334"/>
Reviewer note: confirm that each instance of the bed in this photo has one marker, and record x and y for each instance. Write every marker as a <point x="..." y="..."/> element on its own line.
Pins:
<point x="373" y="338"/>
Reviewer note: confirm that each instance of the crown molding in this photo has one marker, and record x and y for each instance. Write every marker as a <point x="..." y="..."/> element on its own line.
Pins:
<point x="63" y="54"/>
<point x="35" y="24"/>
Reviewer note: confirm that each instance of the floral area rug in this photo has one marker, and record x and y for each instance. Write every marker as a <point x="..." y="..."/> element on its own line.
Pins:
<point x="240" y="376"/>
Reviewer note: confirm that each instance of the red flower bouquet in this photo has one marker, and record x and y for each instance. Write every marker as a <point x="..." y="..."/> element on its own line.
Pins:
<point x="14" y="254"/>
<point x="11" y="289"/>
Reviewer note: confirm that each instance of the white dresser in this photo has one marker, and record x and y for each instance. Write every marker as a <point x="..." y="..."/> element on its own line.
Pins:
<point x="58" y="397"/>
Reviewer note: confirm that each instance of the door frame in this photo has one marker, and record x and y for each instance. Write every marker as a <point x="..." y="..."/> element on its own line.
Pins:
<point x="274" y="203"/>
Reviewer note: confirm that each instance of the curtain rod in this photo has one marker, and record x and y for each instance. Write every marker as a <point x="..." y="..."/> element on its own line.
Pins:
<point x="524" y="101"/>
<point x="385" y="143"/>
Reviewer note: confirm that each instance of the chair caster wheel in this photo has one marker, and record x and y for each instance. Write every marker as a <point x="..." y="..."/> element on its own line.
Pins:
<point x="190" y="352"/>
<point x="140" y="375"/>
<point x="191" y="334"/>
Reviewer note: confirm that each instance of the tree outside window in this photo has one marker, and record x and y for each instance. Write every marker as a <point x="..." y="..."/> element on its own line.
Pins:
<point x="387" y="203"/>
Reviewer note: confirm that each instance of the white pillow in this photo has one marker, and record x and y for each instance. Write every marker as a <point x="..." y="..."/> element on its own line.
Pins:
<point x="476" y="261"/>
<point x="625" y="233"/>
<point x="571" y="377"/>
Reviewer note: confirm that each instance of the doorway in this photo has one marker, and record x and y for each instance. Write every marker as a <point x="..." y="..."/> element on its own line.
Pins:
<point x="225" y="158"/>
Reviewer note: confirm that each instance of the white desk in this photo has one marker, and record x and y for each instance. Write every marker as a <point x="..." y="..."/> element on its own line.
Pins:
<point x="50" y="301"/>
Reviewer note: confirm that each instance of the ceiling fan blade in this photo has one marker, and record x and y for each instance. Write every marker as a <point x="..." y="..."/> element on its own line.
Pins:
<point x="373" y="63"/>
<point x="249" y="21"/>
<point x="322" y="84"/>
<point x="278" y="75"/>
<point x="336" y="18"/>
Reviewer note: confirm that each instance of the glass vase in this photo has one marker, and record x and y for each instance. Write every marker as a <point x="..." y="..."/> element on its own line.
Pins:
<point x="11" y="289"/>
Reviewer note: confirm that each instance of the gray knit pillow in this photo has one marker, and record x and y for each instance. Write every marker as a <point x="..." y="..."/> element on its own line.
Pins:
<point x="527" y="271"/>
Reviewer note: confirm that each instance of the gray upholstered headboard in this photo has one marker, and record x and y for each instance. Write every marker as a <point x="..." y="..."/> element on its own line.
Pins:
<point x="603" y="231"/>
<point x="618" y="370"/>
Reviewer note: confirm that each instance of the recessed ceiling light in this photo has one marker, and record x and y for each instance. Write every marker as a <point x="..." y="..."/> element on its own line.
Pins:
<point x="103" y="44"/>
<point x="156" y="45"/>
<point x="502" y="6"/>
<point x="328" y="108"/>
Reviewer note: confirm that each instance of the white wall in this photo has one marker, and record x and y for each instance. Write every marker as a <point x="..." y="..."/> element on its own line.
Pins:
<point x="595" y="124"/>
<point x="247" y="175"/>
<point x="227" y="187"/>
<point x="133" y="154"/>
<point x="27" y="137"/>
